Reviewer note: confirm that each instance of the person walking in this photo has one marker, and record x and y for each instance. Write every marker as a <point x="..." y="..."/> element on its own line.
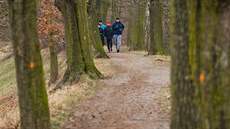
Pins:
<point x="118" y="28"/>
<point x="101" y="28"/>
<point x="109" y="35"/>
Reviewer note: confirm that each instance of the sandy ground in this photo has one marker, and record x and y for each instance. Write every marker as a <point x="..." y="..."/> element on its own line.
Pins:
<point x="132" y="99"/>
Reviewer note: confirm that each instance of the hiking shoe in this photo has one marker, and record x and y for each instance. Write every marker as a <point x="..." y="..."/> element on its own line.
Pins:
<point x="118" y="51"/>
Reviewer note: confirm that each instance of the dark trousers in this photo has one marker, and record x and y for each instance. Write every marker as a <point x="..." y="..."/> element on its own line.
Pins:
<point x="103" y="39"/>
<point x="109" y="44"/>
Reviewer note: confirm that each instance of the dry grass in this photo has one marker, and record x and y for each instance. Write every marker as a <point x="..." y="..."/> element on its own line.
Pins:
<point x="164" y="100"/>
<point x="105" y="67"/>
<point x="5" y="50"/>
<point x="63" y="100"/>
<point x="163" y="58"/>
<point x="140" y="52"/>
<point x="60" y="102"/>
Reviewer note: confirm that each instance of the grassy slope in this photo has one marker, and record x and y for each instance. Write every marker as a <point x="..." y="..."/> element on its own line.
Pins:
<point x="60" y="102"/>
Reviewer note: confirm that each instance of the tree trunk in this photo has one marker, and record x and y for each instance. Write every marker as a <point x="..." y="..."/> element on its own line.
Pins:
<point x="98" y="11"/>
<point x="137" y="26"/>
<point x="185" y="108"/>
<point x="79" y="56"/>
<point x="200" y="64"/>
<point x="214" y="45"/>
<point x="156" y="28"/>
<point x="33" y="102"/>
<point x="53" y="61"/>
<point x="147" y="26"/>
<point x="166" y="24"/>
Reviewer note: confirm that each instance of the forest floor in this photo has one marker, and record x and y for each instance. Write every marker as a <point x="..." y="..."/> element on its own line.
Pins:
<point x="136" y="97"/>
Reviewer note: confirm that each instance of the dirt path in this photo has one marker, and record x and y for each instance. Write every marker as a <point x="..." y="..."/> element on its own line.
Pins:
<point x="129" y="100"/>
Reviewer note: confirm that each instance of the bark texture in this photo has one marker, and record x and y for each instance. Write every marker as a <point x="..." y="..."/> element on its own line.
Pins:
<point x="166" y="4"/>
<point x="147" y="25"/>
<point x="79" y="56"/>
<point x="97" y="10"/>
<point x="53" y="61"/>
<point x="200" y="64"/>
<point x="33" y="102"/>
<point x="136" y="30"/>
<point x="156" y="28"/>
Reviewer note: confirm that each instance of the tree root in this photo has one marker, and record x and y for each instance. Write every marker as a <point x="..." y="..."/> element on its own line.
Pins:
<point x="95" y="74"/>
<point x="68" y="79"/>
<point x="104" y="56"/>
<point x="52" y="81"/>
<point x="73" y="78"/>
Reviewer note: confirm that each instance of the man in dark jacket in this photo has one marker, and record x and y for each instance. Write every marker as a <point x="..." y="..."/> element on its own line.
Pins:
<point x="118" y="28"/>
<point x="109" y="35"/>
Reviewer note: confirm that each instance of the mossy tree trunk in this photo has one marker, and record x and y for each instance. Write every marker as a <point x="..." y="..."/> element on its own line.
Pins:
<point x="156" y="28"/>
<point x="185" y="112"/>
<point x="97" y="10"/>
<point x="214" y="44"/>
<point x="79" y="56"/>
<point x="136" y="32"/>
<point x="104" y="8"/>
<point x="33" y="101"/>
<point x="129" y="31"/>
<point x="200" y="64"/>
<point x="53" y="61"/>
<point x="166" y="24"/>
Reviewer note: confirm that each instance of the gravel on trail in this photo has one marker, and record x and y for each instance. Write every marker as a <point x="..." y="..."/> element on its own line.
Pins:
<point x="128" y="100"/>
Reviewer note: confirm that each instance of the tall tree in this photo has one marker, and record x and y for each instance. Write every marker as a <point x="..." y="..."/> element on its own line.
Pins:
<point x="33" y="102"/>
<point x="136" y="30"/>
<point x="147" y="25"/>
<point x="156" y="28"/>
<point x="97" y="10"/>
<point x="50" y="30"/>
<point x="79" y="56"/>
<point x="200" y="64"/>
<point x="53" y="60"/>
<point x="166" y="24"/>
<point x="182" y="85"/>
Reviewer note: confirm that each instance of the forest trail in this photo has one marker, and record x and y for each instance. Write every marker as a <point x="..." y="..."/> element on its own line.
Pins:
<point x="131" y="99"/>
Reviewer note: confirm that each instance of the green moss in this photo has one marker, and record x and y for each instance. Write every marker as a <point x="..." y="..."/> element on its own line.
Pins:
<point x="7" y="77"/>
<point x="98" y="12"/>
<point x="205" y="49"/>
<point x="33" y="101"/>
<point x="79" y="53"/>
<point x="136" y="30"/>
<point x="156" y="28"/>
